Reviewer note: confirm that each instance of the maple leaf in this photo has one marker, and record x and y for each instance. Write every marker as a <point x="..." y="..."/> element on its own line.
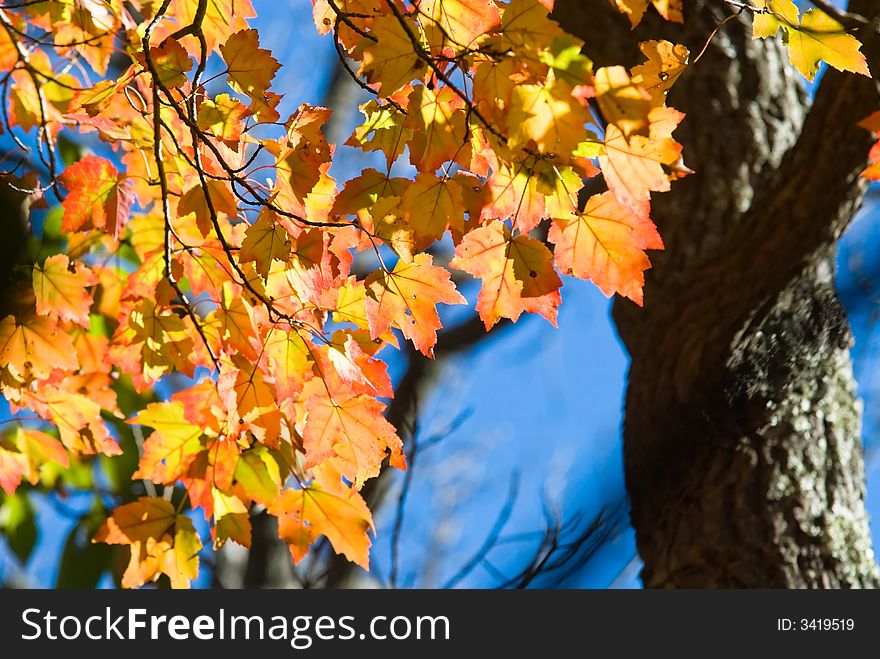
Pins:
<point x="430" y="205"/>
<point x="514" y="194"/>
<point x="35" y="449"/>
<point x="23" y="454"/>
<point x="820" y="38"/>
<point x="172" y="447"/>
<point x="194" y="202"/>
<point x="517" y="273"/>
<point x="456" y="24"/>
<point x="634" y="168"/>
<point x="265" y="241"/>
<point x="390" y="61"/>
<point x="605" y="243"/>
<point x="249" y="399"/>
<point x="97" y="99"/>
<point x="288" y="359"/>
<point x="872" y="124"/>
<point x="34" y="348"/>
<point x="171" y="62"/>
<point x="780" y="15"/>
<point x="548" y="116"/>
<point x="137" y="522"/>
<point x="11" y="468"/>
<point x="351" y="427"/>
<point x="231" y="520"/>
<point x="221" y="17"/>
<point x="812" y="39"/>
<point x="60" y="288"/>
<point x="78" y="418"/>
<point x="408" y="297"/>
<point x="235" y="322"/>
<point x="375" y="200"/>
<point x="303" y="158"/>
<point x="671" y="10"/>
<point x="666" y="62"/>
<point x="384" y="129"/>
<point x="213" y="468"/>
<point x="347" y="362"/>
<point x="249" y="67"/>
<point x="259" y="475"/>
<point x="437" y="119"/>
<point x="623" y="103"/>
<point x="164" y="341"/>
<point x="162" y="542"/>
<point x="525" y="25"/>
<point x="306" y="514"/>
<point x="565" y="57"/>
<point x="98" y="197"/>
<point x="222" y="117"/>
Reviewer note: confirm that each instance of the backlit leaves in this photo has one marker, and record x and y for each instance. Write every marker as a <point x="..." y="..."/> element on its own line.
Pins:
<point x="351" y="428"/>
<point x="98" y="197"/>
<point x="172" y="447"/>
<point x="265" y="241"/>
<point x="634" y="168"/>
<point x="605" y="243"/>
<point x="635" y="9"/>
<point x="812" y="38"/>
<point x="61" y="289"/>
<point x="249" y="67"/>
<point x="390" y="62"/>
<point x="305" y="515"/>
<point x="162" y="542"/>
<point x="408" y="297"/>
<point x="216" y="286"/>
<point x="516" y="271"/>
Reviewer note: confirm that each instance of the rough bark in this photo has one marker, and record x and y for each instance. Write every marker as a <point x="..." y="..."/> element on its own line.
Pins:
<point x="742" y="441"/>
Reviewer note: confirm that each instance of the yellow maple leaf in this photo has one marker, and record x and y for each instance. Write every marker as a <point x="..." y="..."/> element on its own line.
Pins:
<point x="623" y="103"/>
<point x="666" y="62"/>
<point x="172" y="447"/>
<point x="304" y="515"/>
<point x="35" y="347"/>
<point x="264" y="241"/>
<point x="391" y="61"/>
<point x="250" y="69"/>
<point x="161" y="541"/>
<point x="61" y="289"/>
<point x="820" y="38"/>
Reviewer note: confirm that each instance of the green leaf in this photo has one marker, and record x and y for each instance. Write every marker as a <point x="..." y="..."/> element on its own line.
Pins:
<point x="258" y="473"/>
<point x="19" y="526"/>
<point x="82" y="562"/>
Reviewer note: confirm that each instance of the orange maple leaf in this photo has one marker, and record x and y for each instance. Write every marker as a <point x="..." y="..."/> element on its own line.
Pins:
<point x="517" y="273"/>
<point x="605" y="243"/>
<point x="98" y="197"/>
<point x="162" y="542"/>
<point x="408" y="297"/>
<point x="350" y="426"/>
<point x="304" y="515"/>
<point x="249" y="67"/>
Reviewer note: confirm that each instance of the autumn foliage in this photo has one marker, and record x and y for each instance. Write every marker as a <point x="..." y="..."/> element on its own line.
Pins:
<point x="211" y="244"/>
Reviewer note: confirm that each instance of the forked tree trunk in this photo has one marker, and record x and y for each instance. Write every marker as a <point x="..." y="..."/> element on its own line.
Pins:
<point x="742" y="443"/>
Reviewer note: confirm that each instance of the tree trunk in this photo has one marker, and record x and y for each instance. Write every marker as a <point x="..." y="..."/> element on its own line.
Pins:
<point x="742" y="441"/>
